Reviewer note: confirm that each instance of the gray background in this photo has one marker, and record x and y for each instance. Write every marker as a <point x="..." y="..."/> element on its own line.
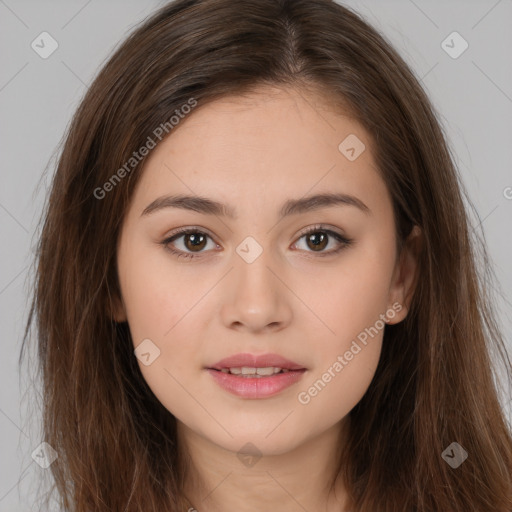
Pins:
<point x="472" y="93"/>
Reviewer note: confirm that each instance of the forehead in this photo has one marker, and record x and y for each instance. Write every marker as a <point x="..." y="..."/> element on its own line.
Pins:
<point x="268" y="143"/>
<point x="269" y="115"/>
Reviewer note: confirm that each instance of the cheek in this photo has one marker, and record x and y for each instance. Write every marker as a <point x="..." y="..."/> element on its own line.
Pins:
<point x="156" y="294"/>
<point x="336" y="388"/>
<point x="161" y="307"/>
<point x="347" y="355"/>
<point x="351" y="300"/>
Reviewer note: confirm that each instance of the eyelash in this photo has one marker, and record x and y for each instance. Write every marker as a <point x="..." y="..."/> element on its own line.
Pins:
<point x="344" y="241"/>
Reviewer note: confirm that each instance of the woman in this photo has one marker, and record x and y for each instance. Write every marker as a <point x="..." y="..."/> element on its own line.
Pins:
<point x="256" y="287"/>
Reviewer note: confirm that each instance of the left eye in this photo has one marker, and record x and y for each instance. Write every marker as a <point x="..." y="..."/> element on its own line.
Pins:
<point x="318" y="239"/>
<point x="195" y="241"/>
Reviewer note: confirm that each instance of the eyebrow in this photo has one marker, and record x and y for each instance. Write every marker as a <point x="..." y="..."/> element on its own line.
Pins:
<point x="208" y="206"/>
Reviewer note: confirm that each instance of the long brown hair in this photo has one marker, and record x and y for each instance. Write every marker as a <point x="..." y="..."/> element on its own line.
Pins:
<point x="434" y="385"/>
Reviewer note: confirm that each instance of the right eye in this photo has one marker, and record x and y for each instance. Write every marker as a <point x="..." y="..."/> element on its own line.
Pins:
<point x="192" y="239"/>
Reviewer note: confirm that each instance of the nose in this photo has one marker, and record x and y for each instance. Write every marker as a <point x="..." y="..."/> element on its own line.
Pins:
<point x="257" y="298"/>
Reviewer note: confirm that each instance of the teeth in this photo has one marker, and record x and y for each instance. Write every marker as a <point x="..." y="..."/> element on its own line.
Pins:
<point x="246" y="371"/>
<point x="266" y="371"/>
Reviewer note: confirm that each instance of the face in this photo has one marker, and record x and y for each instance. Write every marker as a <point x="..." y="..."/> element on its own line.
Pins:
<point x="270" y="272"/>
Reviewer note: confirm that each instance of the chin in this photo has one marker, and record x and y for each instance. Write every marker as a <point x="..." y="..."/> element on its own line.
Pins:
<point x="257" y="443"/>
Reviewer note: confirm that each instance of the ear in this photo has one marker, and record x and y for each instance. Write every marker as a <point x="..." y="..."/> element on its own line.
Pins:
<point x="117" y="310"/>
<point x="405" y="276"/>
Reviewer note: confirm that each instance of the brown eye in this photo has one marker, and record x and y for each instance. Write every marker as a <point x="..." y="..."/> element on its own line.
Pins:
<point x="193" y="241"/>
<point x="190" y="241"/>
<point x="317" y="240"/>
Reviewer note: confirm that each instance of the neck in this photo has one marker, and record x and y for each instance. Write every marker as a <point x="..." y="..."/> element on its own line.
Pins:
<point x="218" y="480"/>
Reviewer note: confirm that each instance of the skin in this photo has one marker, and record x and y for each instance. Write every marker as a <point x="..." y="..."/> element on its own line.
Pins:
<point x="254" y="153"/>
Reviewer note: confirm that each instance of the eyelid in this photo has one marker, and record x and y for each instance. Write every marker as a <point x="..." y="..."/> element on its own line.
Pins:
<point x="319" y="227"/>
<point x="188" y="229"/>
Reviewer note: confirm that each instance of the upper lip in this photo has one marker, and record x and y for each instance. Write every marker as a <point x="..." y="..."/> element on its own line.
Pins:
<point x="256" y="361"/>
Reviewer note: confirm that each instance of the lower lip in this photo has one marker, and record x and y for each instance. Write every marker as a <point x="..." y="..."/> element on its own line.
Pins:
<point x="254" y="387"/>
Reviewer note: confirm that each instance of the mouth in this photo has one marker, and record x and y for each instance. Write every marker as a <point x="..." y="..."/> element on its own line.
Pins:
<point x="252" y="364"/>
<point x="255" y="377"/>
<point x="255" y="373"/>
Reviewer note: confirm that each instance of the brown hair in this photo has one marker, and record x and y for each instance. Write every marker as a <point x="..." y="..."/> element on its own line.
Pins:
<point x="434" y="383"/>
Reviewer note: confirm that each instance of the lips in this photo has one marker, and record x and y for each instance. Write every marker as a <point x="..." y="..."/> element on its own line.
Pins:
<point x="247" y="384"/>
<point x="256" y="361"/>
